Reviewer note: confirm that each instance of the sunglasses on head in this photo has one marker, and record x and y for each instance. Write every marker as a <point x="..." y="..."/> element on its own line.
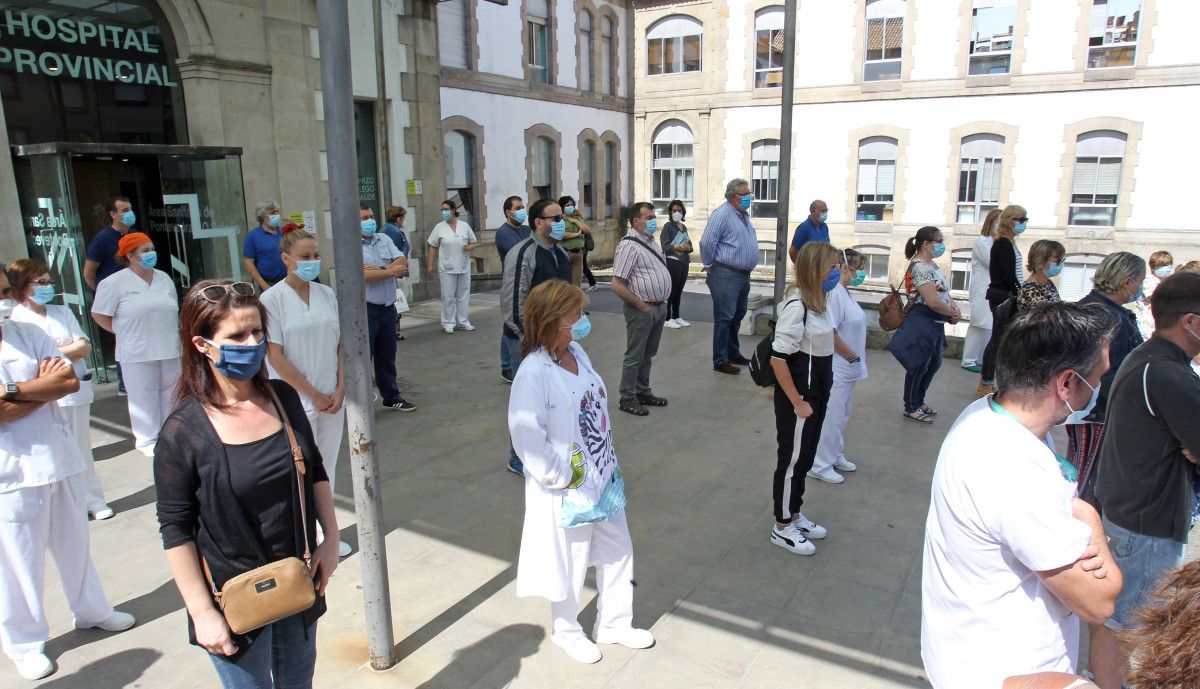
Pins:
<point x="214" y="294"/>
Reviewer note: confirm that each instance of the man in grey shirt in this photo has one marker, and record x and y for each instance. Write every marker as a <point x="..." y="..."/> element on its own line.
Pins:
<point x="382" y="264"/>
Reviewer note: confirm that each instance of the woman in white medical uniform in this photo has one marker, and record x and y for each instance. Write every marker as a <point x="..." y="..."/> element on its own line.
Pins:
<point x="574" y="490"/>
<point x="140" y="306"/>
<point x="34" y="290"/>
<point x="304" y="346"/>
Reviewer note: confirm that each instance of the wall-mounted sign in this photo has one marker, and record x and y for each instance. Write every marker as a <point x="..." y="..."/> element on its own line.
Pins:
<point x="414" y="187"/>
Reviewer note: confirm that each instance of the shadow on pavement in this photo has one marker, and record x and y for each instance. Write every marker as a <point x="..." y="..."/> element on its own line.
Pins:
<point x="121" y="669"/>
<point x="146" y="608"/>
<point x="431" y="629"/>
<point x="496" y="658"/>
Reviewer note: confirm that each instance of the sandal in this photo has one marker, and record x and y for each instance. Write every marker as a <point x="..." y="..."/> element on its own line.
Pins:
<point x="918" y="416"/>
<point x="651" y="401"/>
<point x="631" y="406"/>
<point x="927" y="411"/>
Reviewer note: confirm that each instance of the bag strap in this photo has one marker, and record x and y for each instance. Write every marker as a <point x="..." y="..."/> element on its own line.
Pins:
<point x="516" y="302"/>
<point x="646" y="247"/>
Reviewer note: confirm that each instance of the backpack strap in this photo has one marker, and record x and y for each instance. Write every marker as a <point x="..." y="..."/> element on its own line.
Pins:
<point x="646" y="247"/>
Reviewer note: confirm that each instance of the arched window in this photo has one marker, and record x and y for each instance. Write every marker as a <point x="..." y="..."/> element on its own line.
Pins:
<point x="673" y="168"/>
<point x="993" y="23"/>
<point x="453" y="22"/>
<point x="979" y="175"/>
<point x="543" y="168"/>
<point x="673" y="45"/>
<point x="611" y="199"/>
<point x="586" y="66"/>
<point x="885" y="40"/>
<point x="459" y="152"/>
<point x="768" y="52"/>
<point x="608" y="56"/>
<point x="876" y="260"/>
<point x="764" y="178"/>
<point x="589" y="178"/>
<point x="1096" y="183"/>
<point x="876" y="178"/>
<point x="1112" y="40"/>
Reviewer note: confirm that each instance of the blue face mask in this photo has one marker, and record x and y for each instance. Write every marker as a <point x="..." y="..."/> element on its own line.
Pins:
<point x="308" y="270"/>
<point x="128" y="218"/>
<point x="520" y="216"/>
<point x="829" y="283"/>
<point x="446" y="214"/>
<point x="651" y="226"/>
<point x="859" y="278"/>
<point x="1053" y="270"/>
<point x="581" y="328"/>
<point x="368" y="227"/>
<point x="43" y="294"/>
<point x="149" y="259"/>
<point x="1137" y="296"/>
<point x="939" y="249"/>
<point x="558" y="228"/>
<point x="273" y="221"/>
<point x="569" y="210"/>
<point x="1019" y="227"/>
<point x="824" y="216"/>
<point x="1077" y="416"/>
<point x="239" y="362"/>
<point x="1163" y="271"/>
<point x="746" y="201"/>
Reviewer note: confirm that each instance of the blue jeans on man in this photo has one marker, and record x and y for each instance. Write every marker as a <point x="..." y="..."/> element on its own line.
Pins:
<point x="381" y="335"/>
<point x="1143" y="560"/>
<point x="510" y="352"/>
<point x="730" y="290"/>
<point x="513" y="347"/>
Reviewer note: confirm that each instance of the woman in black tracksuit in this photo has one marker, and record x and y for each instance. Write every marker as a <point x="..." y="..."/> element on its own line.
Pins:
<point x="802" y="360"/>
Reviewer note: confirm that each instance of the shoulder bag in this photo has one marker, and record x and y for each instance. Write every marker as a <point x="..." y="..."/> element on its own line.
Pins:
<point x="276" y="590"/>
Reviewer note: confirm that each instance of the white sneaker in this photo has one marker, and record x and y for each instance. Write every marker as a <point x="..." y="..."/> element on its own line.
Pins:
<point x="682" y="322"/>
<point x="791" y="538"/>
<point x="844" y="464"/>
<point x="468" y="327"/>
<point x="828" y="476"/>
<point x="116" y="622"/>
<point x="343" y="549"/>
<point x="34" y="666"/>
<point x="103" y="512"/>
<point x="808" y="527"/>
<point x="580" y="649"/>
<point x="627" y="637"/>
<point x="448" y="329"/>
<point x="672" y="324"/>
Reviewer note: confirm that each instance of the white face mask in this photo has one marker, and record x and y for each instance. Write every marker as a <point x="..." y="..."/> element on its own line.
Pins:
<point x="1077" y="416"/>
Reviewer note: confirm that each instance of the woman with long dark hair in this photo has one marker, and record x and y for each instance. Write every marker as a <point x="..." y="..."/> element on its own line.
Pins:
<point x="228" y="496"/>
<point x="678" y="247"/>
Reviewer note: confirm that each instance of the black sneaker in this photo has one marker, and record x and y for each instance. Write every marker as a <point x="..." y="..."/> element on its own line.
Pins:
<point x="651" y="401"/>
<point x="506" y="374"/>
<point x="400" y="404"/>
<point x="632" y="406"/>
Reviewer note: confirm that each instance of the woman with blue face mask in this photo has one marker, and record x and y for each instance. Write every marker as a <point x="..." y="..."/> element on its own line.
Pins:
<point x="34" y="290"/>
<point x="140" y="306"/>
<point x="558" y="417"/>
<point x="232" y="492"/>
<point x="450" y="245"/>
<point x="1161" y="266"/>
<point x="1006" y="273"/>
<point x="1045" y="263"/>
<point x="304" y="346"/>
<point x="575" y="241"/>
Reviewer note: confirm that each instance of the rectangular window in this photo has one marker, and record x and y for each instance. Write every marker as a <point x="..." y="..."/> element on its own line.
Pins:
<point x="543" y="168"/>
<point x="993" y="23"/>
<point x="673" y="55"/>
<point x="589" y="158"/>
<point x="766" y="255"/>
<point x="1112" y="38"/>
<point x="452" y="33"/>
<point x="885" y="41"/>
<point x="876" y="261"/>
<point x="876" y="190"/>
<point x="672" y="176"/>
<point x="538" y="51"/>
<point x="764" y="179"/>
<point x="1095" y="190"/>
<point x="610" y="171"/>
<point x="960" y="271"/>
<point x="978" y="188"/>
<point x="768" y="59"/>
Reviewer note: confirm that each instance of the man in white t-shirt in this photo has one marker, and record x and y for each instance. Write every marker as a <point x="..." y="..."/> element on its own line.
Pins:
<point x="1012" y="559"/>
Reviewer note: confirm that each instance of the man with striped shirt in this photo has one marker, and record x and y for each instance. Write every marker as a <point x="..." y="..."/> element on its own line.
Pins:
<point x="729" y="250"/>
<point x="642" y="281"/>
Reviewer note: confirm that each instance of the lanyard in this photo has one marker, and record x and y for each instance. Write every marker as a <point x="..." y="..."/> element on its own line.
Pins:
<point x="1069" y="472"/>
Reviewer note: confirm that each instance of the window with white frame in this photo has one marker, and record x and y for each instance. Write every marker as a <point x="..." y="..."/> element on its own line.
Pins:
<point x="673" y="169"/>
<point x="586" y="63"/>
<point x="1096" y="182"/>
<point x="1113" y="33"/>
<point x="979" y="175"/>
<point x="608" y="56"/>
<point x="543" y="168"/>
<point x="993" y="23"/>
<point x="537" y="51"/>
<point x="766" y="255"/>
<point x="1075" y="281"/>
<point x="960" y="270"/>
<point x="764" y="178"/>
<point x="610" y="174"/>
<point x="453" y="21"/>
<point x="876" y="179"/>
<point x="673" y="46"/>
<point x="884" y="40"/>
<point x="459" y="153"/>
<point x="768" y="51"/>
<point x="876" y="261"/>
<point x="589" y="173"/>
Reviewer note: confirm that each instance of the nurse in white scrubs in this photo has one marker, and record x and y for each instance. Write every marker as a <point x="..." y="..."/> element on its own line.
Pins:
<point x="574" y="489"/>
<point x="42" y="498"/>
<point x="140" y="306"/>
<point x="304" y="346"/>
<point x="34" y="290"/>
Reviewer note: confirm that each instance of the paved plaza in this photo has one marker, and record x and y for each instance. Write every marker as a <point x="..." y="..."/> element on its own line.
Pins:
<point x="728" y="608"/>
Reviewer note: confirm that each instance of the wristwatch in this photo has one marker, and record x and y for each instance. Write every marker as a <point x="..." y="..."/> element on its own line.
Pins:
<point x="10" y="392"/>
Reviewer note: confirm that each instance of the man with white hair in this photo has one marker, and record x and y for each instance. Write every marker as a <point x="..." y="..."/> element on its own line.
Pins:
<point x="260" y="250"/>
<point x="729" y="250"/>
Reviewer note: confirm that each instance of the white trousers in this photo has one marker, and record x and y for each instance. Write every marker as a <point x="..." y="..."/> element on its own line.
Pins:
<point x="151" y="389"/>
<point x="976" y="342"/>
<point x="456" y="297"/>
<point x="606" y="546"/>
<point x="79" y="418"/>
<point x="328" y="429"/>
<point x="832" y="444"/>
<point x="32" y="521"/>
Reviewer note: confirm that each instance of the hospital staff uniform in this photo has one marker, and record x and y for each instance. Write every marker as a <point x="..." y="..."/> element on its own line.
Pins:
<point x="310" y="334"/>
<point x="42" y="507"/>
<point x="850" y="323"/>
<point x="63" y="328"/>
<point x="145" y="319"/>
<point x="454" y="270"/>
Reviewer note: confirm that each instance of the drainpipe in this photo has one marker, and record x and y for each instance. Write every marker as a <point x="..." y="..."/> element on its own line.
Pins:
<point x="381" y="114"/>
<point x="785" y="150"/>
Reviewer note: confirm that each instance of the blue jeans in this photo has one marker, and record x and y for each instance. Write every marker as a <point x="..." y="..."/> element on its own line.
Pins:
<point x="917" y="383"/>
<point x="381" y="335"/>
<point x="283" y="656"/>
<point x="730" y="290"/>
<point x="1144" y="561"/>
<point x="510" y="352"/>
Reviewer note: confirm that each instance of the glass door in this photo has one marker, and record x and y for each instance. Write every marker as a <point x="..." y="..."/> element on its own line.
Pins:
<point x="203" y="214"/>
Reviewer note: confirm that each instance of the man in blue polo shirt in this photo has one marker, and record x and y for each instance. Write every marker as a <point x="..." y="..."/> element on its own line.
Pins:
<point x="260" y="251"/>
<point x="813" y="229"/>
<point x="102" y="251"/>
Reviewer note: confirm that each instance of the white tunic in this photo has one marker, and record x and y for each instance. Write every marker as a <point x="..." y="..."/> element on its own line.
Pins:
<point x="309" y="333"/>
<point x="145" y="317"/>
<point x="452" y="257"/>
<point x="850" y="323"/>
<point x="981" y="260"/>
<point x="37" y="449"/>
<point x="63" y="327"/>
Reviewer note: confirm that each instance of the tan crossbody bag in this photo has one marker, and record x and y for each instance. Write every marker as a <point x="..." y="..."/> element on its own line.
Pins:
<point x="276" y="590"/>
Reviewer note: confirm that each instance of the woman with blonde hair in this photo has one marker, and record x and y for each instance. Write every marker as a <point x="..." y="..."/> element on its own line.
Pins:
<point x="979" y="332"/>
<point x="1005" y="271"/>
<point x="802" y="360"/>
<point x="574" y="489"/>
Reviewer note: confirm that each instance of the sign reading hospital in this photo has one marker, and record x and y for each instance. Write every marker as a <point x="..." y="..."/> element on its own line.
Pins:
<point x="81" y="49"/>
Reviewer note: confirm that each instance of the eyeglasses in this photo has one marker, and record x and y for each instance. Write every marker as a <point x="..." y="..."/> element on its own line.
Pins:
<point x="43" y="281"/>
<point x="1022" y="219"/>
<point x="555" y="218"/>
<point x="215" y="294"/>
